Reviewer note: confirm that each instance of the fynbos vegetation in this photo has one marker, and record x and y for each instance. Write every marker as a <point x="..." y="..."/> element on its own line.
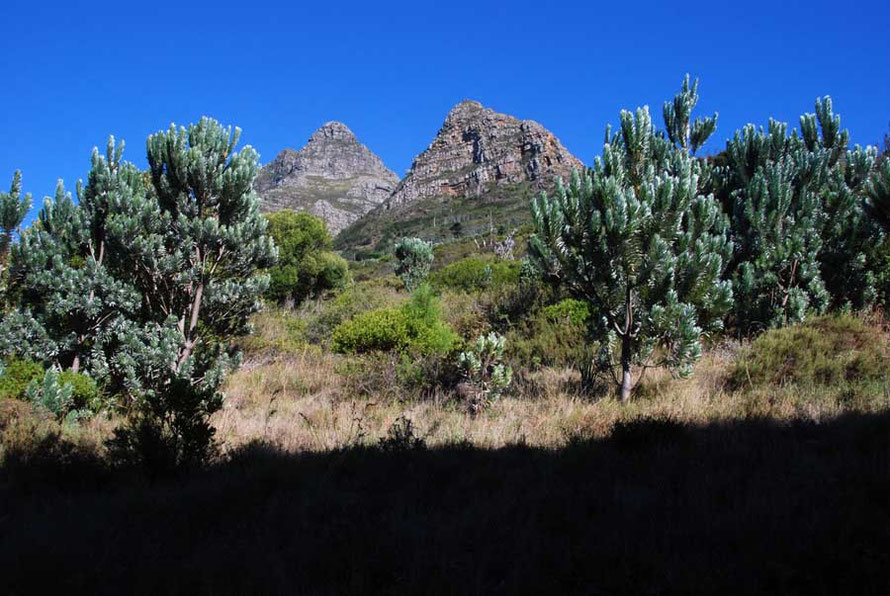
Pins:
<point x="694" y="339"/>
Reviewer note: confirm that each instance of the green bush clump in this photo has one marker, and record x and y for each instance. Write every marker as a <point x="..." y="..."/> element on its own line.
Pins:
<point x="16" y="374"/>
<point x="358" y="298"/>
<point x="85" y="392"/>
<point x="382" y="330"/>
<point x="417" y="325"/>
<point x="830" y="350"/>
<point x="305" y="267"/>
<point x="414" y="258"/>
<point x="576" y="312"/>
<point x="473" y="274"/>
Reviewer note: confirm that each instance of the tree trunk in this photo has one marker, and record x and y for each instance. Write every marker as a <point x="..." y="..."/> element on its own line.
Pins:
<point x="626" y="381"/>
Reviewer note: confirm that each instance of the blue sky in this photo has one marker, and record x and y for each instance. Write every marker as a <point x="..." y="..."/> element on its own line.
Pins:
<point x="76" y="72"/>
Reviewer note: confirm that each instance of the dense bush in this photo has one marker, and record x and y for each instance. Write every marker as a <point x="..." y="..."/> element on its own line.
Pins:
<point x="277" y="331"/>
<point x="416" y="325"/>
<point x="576" y="312"/>
<point x="323" y="317"/>
<point x="382" y="329"/>
<point x="16" y="374"/>
<point x="474" y="273"/>
<point x="85" y="392"/>
<point x="485" y="374"/>
<point x="305" y="266"/>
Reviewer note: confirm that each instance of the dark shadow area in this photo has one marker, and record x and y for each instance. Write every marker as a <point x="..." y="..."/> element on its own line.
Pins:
<point x="748" y="507"/>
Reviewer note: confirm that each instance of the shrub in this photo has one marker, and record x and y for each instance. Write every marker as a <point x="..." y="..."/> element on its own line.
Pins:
<point x="19" y="374"/>
<point x="838" y="349"/>
<point x="473" y="274"/>
<point x="483" y="368"/>
<point x="383" y="329"/>
<point x="51" y="393"/>
<point x="416" y="325"/>
<point x="305" y="266"/>
<point x="355" y="299"/>
<point x="85" y="392"/>
<point x="414" y="259"/>
<point x="400" y="437"/>
<point x="547" y="340"/>
<point x="423" y="315"/>
<point x="576" y="312"/>
<point x="16" y="374"/>
<point x="276" y="330"/>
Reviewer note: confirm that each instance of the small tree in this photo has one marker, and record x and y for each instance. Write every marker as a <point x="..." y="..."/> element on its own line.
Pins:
<point x="804" y="242"/>
<point x="877" y="191"/>
<point x="414" y="260"/>
<point x="147" y="279"/>
<point x="636" y="239"/>
<point x="13" y="209"/>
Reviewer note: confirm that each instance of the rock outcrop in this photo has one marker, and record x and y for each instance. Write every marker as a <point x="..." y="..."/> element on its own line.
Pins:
<point x="477" y="149"/>
<point x="334" y="177"/>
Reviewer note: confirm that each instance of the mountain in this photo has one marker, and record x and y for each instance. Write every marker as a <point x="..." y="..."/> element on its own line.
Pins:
<point x="481" y="170"/>
<point x="334" y="177"/>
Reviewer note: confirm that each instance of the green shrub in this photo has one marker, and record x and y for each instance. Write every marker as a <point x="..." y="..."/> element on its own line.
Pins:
<point x="473" y="274"/>
<point x="414" y="258"/>
<point x="423" y="315"/>
<point x="85" y="394"/>
<point x="831" y="350"/>
<point x="51" y="394"/>
<point x="383" y="329"/>
<point x="484" y="371"/>
<point x="305" y="268"/>
<point x="416" y="325"/>
<point x="16" y="374"/>
<point x="576" y="312"/>
<point x="357" y="298"/>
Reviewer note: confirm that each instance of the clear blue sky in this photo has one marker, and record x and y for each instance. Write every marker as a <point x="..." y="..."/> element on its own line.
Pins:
<point x="75" y="72"/>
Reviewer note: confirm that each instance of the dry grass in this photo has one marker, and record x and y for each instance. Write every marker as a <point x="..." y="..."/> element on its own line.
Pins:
<point x="309" y="403"/>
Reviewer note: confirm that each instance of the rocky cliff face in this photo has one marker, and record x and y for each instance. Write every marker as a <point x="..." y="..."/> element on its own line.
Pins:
<point x="477" y="149"/>
<point x="334" y="177"/>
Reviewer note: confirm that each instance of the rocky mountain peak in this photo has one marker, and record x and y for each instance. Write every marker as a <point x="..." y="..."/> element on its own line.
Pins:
<point x="463" y="111"/>
<point x="333" y="176"/>
<point x="478" y="149"/>
<point x="333" y="130"/>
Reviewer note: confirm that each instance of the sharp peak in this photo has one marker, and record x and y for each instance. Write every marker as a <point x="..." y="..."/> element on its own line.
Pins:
<point x="467" y="105"/>
<point x="332" y="130"/>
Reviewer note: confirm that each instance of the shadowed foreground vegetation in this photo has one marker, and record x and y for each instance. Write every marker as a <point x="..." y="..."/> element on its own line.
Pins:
<point x="767" y="471"/>
<point x="743" y="506"/>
